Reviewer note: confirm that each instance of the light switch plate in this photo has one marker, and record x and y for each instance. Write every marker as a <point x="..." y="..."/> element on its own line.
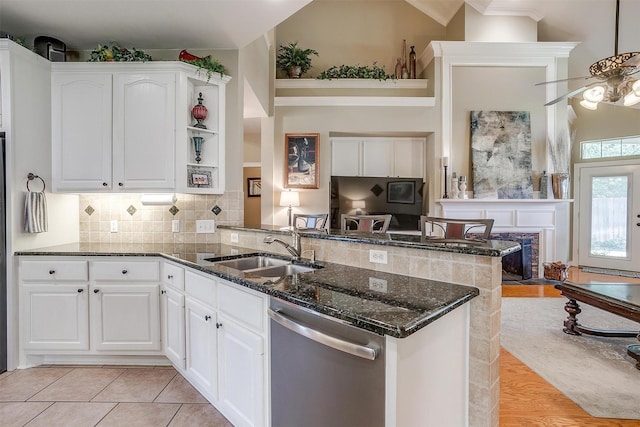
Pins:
<point x="175" y="226"/>
<point x="234" y="237"/>
<point x="378" y="257"/>
<point x="114" y="226"/>
<point x="205" y="226"/>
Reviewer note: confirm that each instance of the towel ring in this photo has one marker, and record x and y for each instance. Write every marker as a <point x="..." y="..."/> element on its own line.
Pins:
<point x="31" y="177"/>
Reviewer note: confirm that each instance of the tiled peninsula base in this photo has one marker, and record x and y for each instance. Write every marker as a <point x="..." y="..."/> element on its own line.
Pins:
<point x="483" y="272"/>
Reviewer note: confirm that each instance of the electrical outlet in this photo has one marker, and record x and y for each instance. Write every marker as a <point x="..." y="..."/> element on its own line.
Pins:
<point x="175" y="226"/>
<point x="378" y="257"/>
<point x="114" y="226"/>
<point x="234" y="237"/>
<point x="205" y="226"/>
<point x="378" y="285"/>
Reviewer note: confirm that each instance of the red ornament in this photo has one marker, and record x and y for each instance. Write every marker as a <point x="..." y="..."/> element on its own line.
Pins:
<point x="199" y="113"/>
<point x="186" y="56"/>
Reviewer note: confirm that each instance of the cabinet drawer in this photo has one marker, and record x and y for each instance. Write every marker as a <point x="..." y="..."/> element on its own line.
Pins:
<point x="200" y="287"/>
<point x="125" y="270"/>
<point x="244" y="306"/>
<point x="173" y="276"/>
<point x="53" y="270"/>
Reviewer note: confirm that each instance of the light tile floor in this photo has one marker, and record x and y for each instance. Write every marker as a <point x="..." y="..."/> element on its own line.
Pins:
<point x="109" y="396"/>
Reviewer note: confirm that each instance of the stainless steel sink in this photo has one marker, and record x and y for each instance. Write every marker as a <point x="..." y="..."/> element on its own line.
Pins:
<point x="253" y="262"/>
<point x="282" y="270"/>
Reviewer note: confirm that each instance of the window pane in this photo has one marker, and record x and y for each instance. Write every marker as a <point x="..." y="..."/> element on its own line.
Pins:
<point x="611" y="148"/>
<point x="631" y="147"/>
<point x="609" y="216"/>
<point x="591" y="150"/>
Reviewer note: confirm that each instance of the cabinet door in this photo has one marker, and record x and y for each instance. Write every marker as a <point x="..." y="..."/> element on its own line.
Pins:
<point x="125" y="317"/>
<point x="201" y="356"/>
<point x="174" y="344"/>
<point x="144" y="120"/>
<point x="54" y="316"/>
<point x="408" y="158"/>
<point x="345" y="157"/>
<point x="241" y="372"/>
<point x="81" y="127"/>
<point x="377" y="155"/>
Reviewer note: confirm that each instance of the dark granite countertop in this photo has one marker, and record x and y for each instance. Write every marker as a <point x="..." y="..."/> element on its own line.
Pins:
<point x="491" y="248"/>
<point x="384" y="303"/>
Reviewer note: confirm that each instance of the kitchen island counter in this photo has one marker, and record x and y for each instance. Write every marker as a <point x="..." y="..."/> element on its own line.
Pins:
<point x="381" y="302"/>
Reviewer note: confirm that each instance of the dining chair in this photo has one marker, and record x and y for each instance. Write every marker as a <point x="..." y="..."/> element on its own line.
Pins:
<point x="366" y="223"/>
<point x="310" y="221"/>
<point x="455" y="228"/>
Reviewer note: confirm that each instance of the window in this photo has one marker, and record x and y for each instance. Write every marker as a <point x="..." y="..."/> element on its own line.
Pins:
<point x="618" y="147"/>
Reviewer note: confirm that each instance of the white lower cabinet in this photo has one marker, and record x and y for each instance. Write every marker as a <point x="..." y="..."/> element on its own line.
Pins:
<point x="54" y="316"/>
<point x="201" y="369"/>
<point x="241" y="373"/>
<point x="125" y="316"/>
<point x="174" y="327"/>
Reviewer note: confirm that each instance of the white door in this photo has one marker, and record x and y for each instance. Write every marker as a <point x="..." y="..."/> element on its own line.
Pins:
<point x="144" y="121"/>
<point x="81" y="129"/>
<point x="125" y="317"/>
<point x="175" y="327"/>
<point x="54" y="317"/>
<point x="241" y="372"/>
<point x="609" y="216"/>
<point x="201" y="366"/>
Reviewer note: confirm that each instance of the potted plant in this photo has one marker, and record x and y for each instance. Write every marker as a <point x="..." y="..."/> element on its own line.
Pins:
<point x="294" y="60"/>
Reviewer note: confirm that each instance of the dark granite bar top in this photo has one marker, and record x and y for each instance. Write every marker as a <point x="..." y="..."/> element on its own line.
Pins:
<point x="491" y="248"/>
<point x="384" y="303"/>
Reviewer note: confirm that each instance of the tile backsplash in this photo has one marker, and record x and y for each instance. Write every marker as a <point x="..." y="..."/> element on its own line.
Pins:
<point x="152" y="224"/>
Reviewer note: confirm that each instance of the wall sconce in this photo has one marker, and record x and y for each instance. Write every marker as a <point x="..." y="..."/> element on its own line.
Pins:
<point x="158" y="199"/>
<point x="289" y="198"/>
<point x="358" y="205"/>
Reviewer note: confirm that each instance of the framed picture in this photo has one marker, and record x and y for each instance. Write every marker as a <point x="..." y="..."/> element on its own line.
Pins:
<point x="254" y="187"/>
<point x="302" y="155"/>
<point x="199" y="178"/>
<point x="401" y="192"/>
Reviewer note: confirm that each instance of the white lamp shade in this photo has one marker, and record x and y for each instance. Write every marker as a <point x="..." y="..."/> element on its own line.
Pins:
<point x="358" y="204"/>
<point x="631" y="99"/>
<point x="589" y="105"/>
<point x="636" y="87"/>
<point x="594" y="94"/>
<point x="289" y="198"/>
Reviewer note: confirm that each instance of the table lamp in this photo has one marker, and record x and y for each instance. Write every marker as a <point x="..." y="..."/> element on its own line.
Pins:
<point x="289" y="198"/>
<point x="358" y="205"/>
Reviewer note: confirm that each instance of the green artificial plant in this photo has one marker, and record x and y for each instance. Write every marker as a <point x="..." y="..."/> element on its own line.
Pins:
<point x="291" y="56"/>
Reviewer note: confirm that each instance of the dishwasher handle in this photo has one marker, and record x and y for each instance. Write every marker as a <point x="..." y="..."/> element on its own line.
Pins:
<point x="322" y="338"/>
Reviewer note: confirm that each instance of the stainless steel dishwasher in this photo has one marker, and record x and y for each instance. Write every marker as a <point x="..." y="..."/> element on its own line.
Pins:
<point x="324" y="372"/>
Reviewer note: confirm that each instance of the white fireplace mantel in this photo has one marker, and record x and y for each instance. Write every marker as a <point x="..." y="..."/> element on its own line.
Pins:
<point x="548" y="217"/>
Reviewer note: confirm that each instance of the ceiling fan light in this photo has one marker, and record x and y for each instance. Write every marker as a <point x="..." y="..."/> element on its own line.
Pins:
<point x="589" y="105"/>
<point x="631" y="99"/>
<point x="594" y="94"/>
<point x="636" y="87"/>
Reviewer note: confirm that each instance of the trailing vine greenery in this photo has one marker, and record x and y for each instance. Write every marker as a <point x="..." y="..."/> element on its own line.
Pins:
<point x="115" y="53"/>
<point x="210" y="65"/>
<point x="355" y="72"/>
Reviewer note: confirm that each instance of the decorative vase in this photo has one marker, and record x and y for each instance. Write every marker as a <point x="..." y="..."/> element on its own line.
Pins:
<point x="454" y="186"/>
<point x="199" y="112"/>
<point x="412" y="63"/>
<point x="463" y="188"/>
<point x="560" y="185"/>
<point x="197" y="147"/>
<point x="544" y="185"/>
<point x="398" y="71"/>
<point x="405" y="70"/>
<point x="294" y="72"/>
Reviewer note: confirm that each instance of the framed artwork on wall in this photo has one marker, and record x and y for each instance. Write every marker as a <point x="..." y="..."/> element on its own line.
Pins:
<point x="401" y="192"/>
<point x="302" y="155"/>
<point x="254" y="187"/>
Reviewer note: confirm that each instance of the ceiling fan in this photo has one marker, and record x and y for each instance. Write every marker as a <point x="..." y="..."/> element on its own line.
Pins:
<point x="613" y="75"/>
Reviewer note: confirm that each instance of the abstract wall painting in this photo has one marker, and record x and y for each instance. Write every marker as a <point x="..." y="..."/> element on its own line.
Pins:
<point x="501" y="154"/>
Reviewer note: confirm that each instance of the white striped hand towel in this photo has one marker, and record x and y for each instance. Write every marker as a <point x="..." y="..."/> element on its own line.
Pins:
<point x="35" y="212"/>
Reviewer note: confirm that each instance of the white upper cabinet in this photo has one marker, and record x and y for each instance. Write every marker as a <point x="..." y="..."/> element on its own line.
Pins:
<point x="378" y="157"/>
<point x="144" y="122"/>
<point x="128" y="127"/>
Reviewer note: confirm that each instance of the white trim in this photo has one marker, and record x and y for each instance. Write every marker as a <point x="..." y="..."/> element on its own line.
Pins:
<point x="252" y="164"/>
<point x="351" y="84"/>
<point x="354" y="101"/>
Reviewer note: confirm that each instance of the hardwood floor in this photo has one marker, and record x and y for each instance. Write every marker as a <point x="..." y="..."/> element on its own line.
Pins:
<point x="526" y="400"/>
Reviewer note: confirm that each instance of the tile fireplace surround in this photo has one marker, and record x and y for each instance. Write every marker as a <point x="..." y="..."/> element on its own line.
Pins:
<point x="547" y="217"/>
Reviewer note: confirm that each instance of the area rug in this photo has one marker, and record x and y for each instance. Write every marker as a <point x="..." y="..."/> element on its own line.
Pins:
<point x="594" y="372"/>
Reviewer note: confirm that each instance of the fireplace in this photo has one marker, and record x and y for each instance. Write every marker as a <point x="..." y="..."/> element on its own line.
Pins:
<point x="518" y="265"/>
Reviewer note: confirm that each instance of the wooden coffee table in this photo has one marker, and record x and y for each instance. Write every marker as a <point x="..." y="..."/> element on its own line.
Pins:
<point x="622" y="299"/>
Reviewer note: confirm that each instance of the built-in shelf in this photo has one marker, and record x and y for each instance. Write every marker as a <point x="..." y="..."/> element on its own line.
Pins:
<point x="351" y="84"/>
<point x="352" y="93"/>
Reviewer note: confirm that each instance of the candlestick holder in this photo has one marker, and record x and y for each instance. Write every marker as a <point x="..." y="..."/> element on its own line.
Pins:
<point x="445" y="195"/>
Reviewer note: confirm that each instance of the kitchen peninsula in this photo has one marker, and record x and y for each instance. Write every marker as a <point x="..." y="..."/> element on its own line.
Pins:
<point x="416" y="315"/>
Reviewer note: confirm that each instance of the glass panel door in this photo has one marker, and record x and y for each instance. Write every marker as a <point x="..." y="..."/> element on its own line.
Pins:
<point x="609" y="217"/>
